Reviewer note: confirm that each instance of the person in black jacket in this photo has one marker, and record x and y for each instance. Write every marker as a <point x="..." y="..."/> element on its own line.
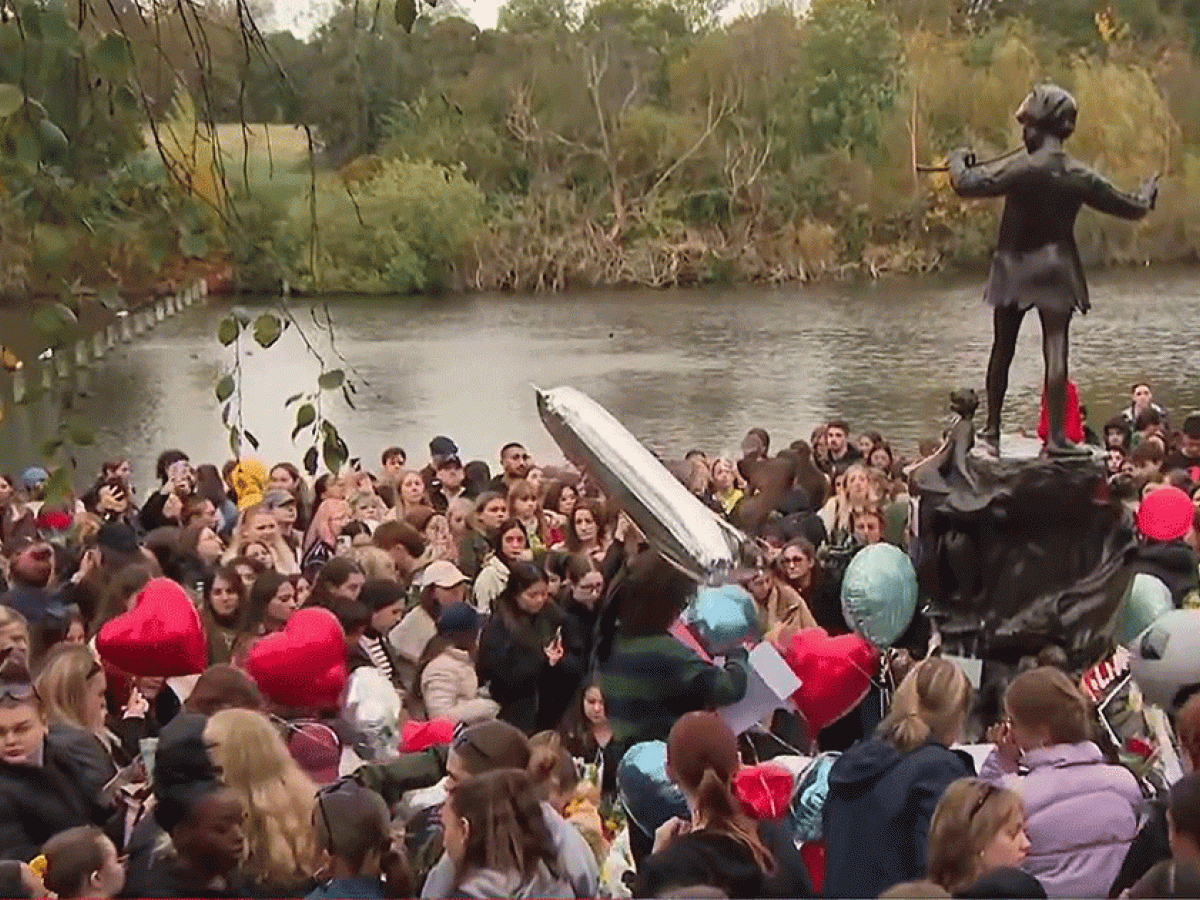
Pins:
<point x="202" y="817"/>
<point x="883" y="791"/>
<point x="45" y="782"/>
<point x="721" y="846"/>
<point x="523" y="656"/>
<point x="583" y="588"/>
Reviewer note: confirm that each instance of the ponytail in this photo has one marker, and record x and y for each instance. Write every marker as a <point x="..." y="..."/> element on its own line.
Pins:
<point x="723" y="814"/>
<point x="931" y="703"/>
<point x="551" y="767"/>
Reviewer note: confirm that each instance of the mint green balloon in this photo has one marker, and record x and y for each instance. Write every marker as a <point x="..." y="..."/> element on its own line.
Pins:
<point x="1144" y="602"/>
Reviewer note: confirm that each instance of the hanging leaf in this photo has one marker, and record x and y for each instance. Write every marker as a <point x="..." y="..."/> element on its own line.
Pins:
<point x="292" y="399"/>
<point x="50" y="447"/>
<point x="406" y="14"/>
<point x="111" y="56"/>
<point x="192" y="245"/>
<point x="331" y="380"/>
<point x="310" y="461"/>
<point x="235" y="444"/>
<point x="11" y="99"/>
<point x="58" y="485"/>
<point x="224" y="388"/>
<point x="305" y="416"/>
<point x="334" y="454"/>
<point x="80" y="436"/>
<point x="52" y="139"/>
<point x="225" y="411"/>
<point x="227" y="331"/>
<point x="46" y="320"/>
<point x="65" y="314"/>
<point x="253" y="441"/>
<point x="267" y="329"/>
<point x="346" y="396"/>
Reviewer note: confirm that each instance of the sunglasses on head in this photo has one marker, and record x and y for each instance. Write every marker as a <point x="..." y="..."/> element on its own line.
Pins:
<point x="984" y="797"/>
<point x="18" y="691"/>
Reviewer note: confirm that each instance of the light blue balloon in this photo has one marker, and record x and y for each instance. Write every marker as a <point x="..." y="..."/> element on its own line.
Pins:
<point x="1144" y="603"/>
<point x="723" y="618"/>
<point x="650" y="798"/>
<point x="879" y="593"/>
<point x="808" y="803"/>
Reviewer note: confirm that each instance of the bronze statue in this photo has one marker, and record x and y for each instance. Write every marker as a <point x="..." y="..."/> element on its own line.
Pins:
<point x="1036" y="263"/>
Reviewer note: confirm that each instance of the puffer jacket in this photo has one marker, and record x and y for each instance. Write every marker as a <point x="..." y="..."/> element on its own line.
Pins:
<point x="1081" y="815"/>
<point x="450" y="689"/>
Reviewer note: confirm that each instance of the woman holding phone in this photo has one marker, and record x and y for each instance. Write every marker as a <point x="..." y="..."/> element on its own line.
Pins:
<point x="522" y="656"/>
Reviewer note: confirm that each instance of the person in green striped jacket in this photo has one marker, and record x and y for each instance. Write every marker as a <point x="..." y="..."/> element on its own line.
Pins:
<point x="649" y="678"/>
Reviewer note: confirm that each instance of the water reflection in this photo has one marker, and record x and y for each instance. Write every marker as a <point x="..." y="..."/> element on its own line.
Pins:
<point x="680" y="369"/>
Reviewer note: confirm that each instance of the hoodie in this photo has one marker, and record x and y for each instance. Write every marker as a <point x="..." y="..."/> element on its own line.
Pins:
<point x="575" y="858"/>
<point x="877" y="814"/>
<point x="720" y="861"/>
<point x="489" y="883"/>
<point x="1174" y="562"/>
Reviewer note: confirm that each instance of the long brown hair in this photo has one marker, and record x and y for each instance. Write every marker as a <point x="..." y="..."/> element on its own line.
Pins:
<point x="507" y="828"/>
<point x="702" y="757"/>
<point x="1046" y="698"/>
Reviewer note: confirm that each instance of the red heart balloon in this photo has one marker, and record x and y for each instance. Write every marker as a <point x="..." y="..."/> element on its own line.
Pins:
<point x="835" y="674"/>
<point x="765" y="790"/>
<point x="160" y="636"/>
<point x="303" y="666"/>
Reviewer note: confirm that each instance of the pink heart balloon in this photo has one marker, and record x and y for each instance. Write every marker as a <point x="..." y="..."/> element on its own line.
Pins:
<point x="835" y="674"/>
<point x="305" y="664"/>
<point x="161" y="636"/>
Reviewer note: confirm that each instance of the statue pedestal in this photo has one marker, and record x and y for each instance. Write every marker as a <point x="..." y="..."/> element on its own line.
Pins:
<point x="1020" y="552"/>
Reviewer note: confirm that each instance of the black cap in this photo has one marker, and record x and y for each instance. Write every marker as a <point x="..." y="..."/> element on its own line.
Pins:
<point x="442" y="446"/>
<point x="118" y="538"/>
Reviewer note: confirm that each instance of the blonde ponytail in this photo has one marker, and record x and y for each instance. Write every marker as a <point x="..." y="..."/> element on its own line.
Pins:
<point x="930" y="704"/>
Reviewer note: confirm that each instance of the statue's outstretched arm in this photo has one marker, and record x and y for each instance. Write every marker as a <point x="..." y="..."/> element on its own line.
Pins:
<point x="986" y="179"/>
<point x="1102" y="195"/>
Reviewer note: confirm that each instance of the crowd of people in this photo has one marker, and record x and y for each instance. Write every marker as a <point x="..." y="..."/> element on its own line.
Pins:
<point x="508" y="639"/>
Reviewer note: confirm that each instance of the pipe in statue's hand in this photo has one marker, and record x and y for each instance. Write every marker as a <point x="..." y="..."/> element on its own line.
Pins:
<point x="964" y="156"/>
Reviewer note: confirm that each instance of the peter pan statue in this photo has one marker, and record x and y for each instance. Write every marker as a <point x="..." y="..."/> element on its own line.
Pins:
<point x="1036" y="263"/>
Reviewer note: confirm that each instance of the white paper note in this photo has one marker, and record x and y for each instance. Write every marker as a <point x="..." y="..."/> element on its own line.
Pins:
<point x="770" y="685"/>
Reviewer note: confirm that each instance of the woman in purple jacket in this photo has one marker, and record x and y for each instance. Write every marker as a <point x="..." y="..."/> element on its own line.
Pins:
<point x="1081" y="813"/>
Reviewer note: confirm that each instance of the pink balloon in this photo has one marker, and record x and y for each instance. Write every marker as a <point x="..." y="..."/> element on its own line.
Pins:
<point x="161" y="636"/>
<point x="835" y="674"/>
<point x="305" y="664"/>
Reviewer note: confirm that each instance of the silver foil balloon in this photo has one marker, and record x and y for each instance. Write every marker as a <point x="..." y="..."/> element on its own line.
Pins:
<point x="675" y="523"/>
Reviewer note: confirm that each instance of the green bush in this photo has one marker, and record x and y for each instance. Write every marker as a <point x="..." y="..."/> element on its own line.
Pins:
<point x="403" y="230"/>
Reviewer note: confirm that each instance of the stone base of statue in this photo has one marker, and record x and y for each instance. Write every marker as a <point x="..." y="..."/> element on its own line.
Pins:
<point x="1019" y="552"/>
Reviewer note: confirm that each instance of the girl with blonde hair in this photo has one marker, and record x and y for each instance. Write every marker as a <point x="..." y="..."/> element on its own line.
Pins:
<point x="376" y="564"/>
<point x="1083" y="813"/>
<point x="883" y="791"/>
<point x="526" y="508"/>
<point x="976" y="830"/>
<point x="857" y="494"/>
<point x="72" y="688"/>
<point x="278" y="799"/>
<point x="257" y="523"/>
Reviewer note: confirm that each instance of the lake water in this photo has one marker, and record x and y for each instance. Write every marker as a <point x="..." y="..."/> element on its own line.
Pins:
<point x="681" y="369"/>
